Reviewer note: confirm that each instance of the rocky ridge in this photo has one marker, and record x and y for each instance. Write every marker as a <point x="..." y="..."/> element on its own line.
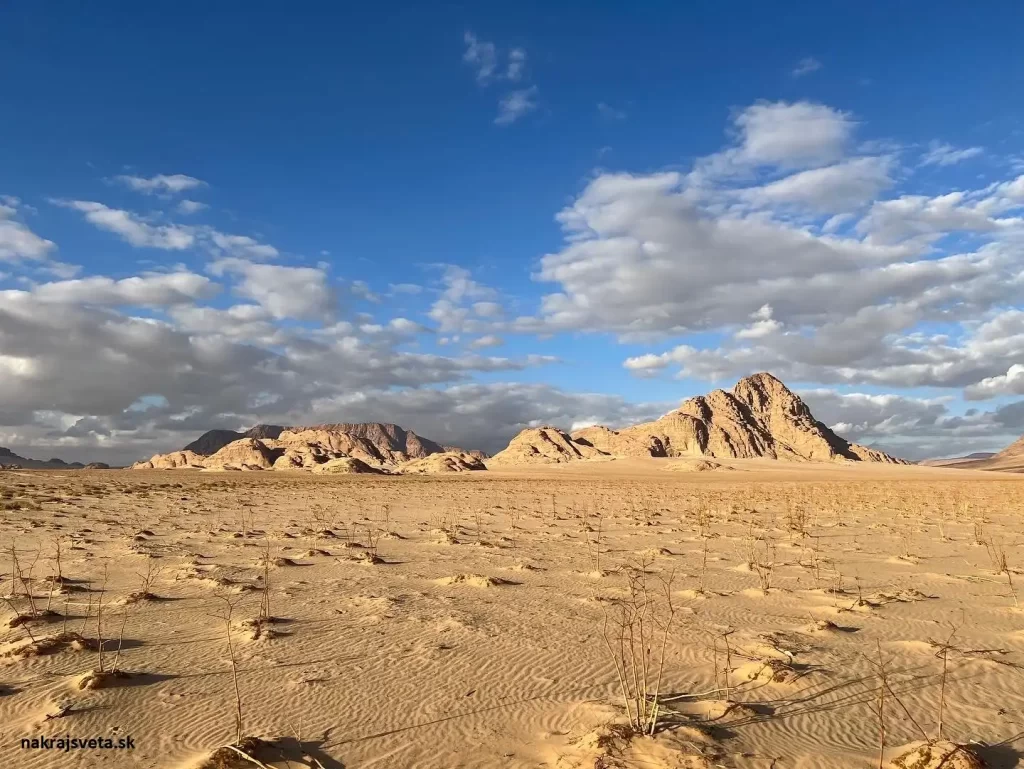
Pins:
<point x="342" y="447"/>
<point x="759" y="418"/>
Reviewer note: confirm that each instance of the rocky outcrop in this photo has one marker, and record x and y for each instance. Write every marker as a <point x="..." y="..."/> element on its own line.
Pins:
<point x="759" y="418"/>
<point x="346" y="465"/>
<point x="445" y="462"/>
<point x="619" y="444"/>
<point x="176" y="460"/>
<point x="244" y="454"/>
<point x="543" y="445"/>
<point x="380" y="447"/>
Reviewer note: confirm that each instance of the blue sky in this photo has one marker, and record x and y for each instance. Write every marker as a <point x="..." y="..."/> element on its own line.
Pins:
<point x="470" y="219"/>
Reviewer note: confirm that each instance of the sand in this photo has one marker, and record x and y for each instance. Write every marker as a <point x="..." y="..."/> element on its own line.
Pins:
<point x="457" y="621"/>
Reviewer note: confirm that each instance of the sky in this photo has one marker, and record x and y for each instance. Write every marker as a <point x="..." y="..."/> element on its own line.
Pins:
<point x="473" y="218"/>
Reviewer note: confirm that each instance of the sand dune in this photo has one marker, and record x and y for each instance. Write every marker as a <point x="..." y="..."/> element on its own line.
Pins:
<point x="470" y="619"/>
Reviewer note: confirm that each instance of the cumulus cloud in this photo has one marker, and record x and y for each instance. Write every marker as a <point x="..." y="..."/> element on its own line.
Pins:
<point x="784" y="252"/>
<point x="913" y="428"/>
<point x="71" y="354"/>
<point x="1010" y="383"/>
<point x="784" y="135"/>
<point x="455" y="311"/>
<point x="304" y="293"/>
<point x="839" y="187"/>
<point x="809" y="273"/>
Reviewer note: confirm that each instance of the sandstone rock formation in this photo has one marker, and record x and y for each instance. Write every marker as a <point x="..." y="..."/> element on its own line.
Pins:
<point x="619" y="444"/>
<point x="345" y="465"/>
<point x="176" y="460"/>
<point x="760" y="417"/>
<point x="370" y="447"/>
<point x="543" y="445"/>
<point x="446" y="462"/>
<point x="1015" y="449"/>
<point x="243" y="454"/>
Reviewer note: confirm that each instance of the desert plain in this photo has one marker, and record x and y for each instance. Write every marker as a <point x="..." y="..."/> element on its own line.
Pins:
<point x="791" y="615"/>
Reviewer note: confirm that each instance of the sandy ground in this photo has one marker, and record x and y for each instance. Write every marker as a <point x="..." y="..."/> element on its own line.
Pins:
<point x="472" y="621"/>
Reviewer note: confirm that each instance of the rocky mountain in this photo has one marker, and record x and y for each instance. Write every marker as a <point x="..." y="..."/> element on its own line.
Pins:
<point x="213" y="441"/>
<point x="759" y="417"/>
<point x="8" y="459"/>
<point x="371" y="447"/>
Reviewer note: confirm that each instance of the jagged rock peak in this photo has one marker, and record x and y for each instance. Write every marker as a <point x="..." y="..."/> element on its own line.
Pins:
<point x="759" y="418"/>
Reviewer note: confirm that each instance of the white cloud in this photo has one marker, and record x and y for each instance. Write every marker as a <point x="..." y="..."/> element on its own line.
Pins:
<point x="926" y="219"/>
<point x="188" y="207"/>
<point x="806" y="66"/>
<point x="515" y="104"/>
<point x="71" y="354"/>
<point x="1010" y="383"/>
<point x="484" y="58"/>
<point x="609" y="112"/>
<point x="487" y="309"/>
<point x="149" y="290"/>
<point x="763" y="324"/>
<point x="454" y="310"/>
<point x="17" y="241"/>
<point x="481" y="56"/>
<point x="913" y="428"/>
<point x="164" y="184"/>
<point x="240" y="245"/>
<point x="643" y="256"/>
<point x="489" y="340"/>
<point x="132" y="228"/>
<point x="285" y="292"/>
<point x="145" y="233"/>
<point x="839" y="187"/>
<point x="516" y="65"/>
<point x="941" y="154"/>
<point x="60" y="270"/>
<point x="787" y="136"/>
<point x="405" y="288"/>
